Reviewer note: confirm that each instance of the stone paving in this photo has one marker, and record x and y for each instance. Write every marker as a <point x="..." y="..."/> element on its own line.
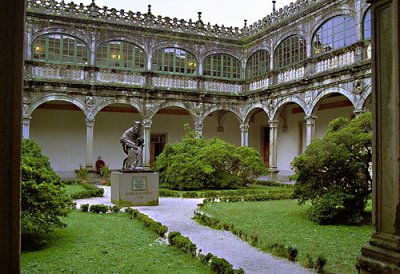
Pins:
<point x="177" y="213"/>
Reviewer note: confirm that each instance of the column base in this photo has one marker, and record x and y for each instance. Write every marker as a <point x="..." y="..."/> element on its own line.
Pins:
<point x="273" y="170"/>
<point x="380" y="255"/>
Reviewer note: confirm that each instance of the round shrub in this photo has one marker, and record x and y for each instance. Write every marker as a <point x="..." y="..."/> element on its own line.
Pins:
<point x="196" y="163"/>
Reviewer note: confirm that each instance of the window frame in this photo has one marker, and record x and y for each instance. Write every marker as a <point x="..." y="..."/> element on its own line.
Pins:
<point x="218" y="63"/>
<point x="253" y="67"/>
<point x="287" y="49"/>
<point x="159" y="60"/>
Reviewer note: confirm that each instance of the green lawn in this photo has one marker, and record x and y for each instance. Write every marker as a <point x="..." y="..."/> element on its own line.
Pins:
<point x="108" y="243"/>
<point x="73" y="188"/>
<point x="285" y="222"/>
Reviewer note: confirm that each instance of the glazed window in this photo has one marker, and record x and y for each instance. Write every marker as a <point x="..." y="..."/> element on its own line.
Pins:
<point x="290" y="51"/>
<point x="336" y="33"/>
<point x="174" y="60"/>
<point x="222" y="66"/>
<point x="258" y="64"/>
<point x="121" y="54"/>
<point x="60" y="48"/>
<point x="367" y="25"/>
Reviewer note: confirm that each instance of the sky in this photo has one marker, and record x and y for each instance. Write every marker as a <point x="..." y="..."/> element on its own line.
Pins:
<point x="221" y="12"/>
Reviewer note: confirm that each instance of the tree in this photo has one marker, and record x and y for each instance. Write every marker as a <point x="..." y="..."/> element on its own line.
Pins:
<point x="334" y="173"/>
<point x="196" y="163"/>
<point x="43" y="201"/>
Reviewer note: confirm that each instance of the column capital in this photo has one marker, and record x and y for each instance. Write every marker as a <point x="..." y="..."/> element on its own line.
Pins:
<point x="26" y="120"/>
<point x="147" y="123"/>
<point x="310" y="119"/>
<point x="273" y="123"/>
<point x="244" y="127"/>
<point x="89" y="122"/>
<point x="360" y="111"/>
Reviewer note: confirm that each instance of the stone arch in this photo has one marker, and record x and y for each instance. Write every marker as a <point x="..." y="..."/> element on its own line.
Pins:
<point x="250" y="52"/>
<point x="56" y="97"/>
<point x="98" y="107"/>
<point x="330" y="15"/>
<point x="285" y="35"/>
<point x="216" y="108"/>
<point x="318" y="99"/>
<point x="60" y="30"/>
<point x="274" y="113"/>
<point x="171" y="104"/>
<point x="363" y="98"/>
<point x="249" y="113"/>
<point x="221" y="51"/>
<point x="131" y="40"/>
<point x="185" y="47"/>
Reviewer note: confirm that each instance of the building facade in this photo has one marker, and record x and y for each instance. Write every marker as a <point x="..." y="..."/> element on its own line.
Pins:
<point x="274" y="85"/>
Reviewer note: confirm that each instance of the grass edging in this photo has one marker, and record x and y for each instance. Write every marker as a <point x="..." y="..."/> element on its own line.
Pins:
<point x="277" y="249"/>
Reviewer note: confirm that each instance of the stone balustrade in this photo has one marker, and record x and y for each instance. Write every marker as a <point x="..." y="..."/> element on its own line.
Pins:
<point x="174" y="82"/>
<point x="222" y="87"/>
<point x="259" y="84"/>
<point x="330" y="62"/>
<point x="290" y="74"/>
<point x="54" y="71"/>
<point x="121" y="77"/>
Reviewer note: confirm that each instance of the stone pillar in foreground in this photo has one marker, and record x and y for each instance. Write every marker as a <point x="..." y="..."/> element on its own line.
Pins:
<point x="244" y="135"/>
<point x="198" y="126"/>
<point x="147" y="141"/>
<point x="310" y="128"/>
<point x="11" y="63"/>
<point x="89" y="143"/>
<point x="382" y="253"/>
<point x="273" y="152"/>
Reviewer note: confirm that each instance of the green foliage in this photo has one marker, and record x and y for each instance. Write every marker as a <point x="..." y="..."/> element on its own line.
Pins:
<point x="106" y="171"/>
<point x="99" y="208"/>
<point x="43" y="201"/>
<point x="90" y="191"/>
<point x="334" y="173"/>
<point x="85" y="207"/>
<point x="220" y="265"/>
<point x="150" y="223"/>
<point x="184" y="243"/>
<point x="196" y="163"/>
<point x="82" y="172"/>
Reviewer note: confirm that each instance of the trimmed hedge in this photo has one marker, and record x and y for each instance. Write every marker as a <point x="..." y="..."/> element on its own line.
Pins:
<point x="89" y="192"/>
<point x="150" y="223"/>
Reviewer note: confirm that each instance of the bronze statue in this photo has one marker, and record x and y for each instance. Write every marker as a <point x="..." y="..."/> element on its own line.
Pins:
<point x="132" y="144"/>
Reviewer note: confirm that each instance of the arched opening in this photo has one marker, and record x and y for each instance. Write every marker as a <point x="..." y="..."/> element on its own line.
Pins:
<point x="259" y="133"/>
<point x="290" y="51"/>
<point x="110" y="123"/>
<point x="223" y="124"/>
<point x="59" y="128"/>
<point x="168" y="127"/>
<point x="222" y="66"/>
<point x="291" y="135"/>
<point x="258" y="64"/>
<point x="174" y="60"/>
<point x="329" y="107"/>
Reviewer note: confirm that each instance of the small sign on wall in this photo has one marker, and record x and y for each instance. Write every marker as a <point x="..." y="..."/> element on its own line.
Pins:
<point x="139" y="183"/>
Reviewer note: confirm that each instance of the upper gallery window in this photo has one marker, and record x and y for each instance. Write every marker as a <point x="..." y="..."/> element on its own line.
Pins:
<point x="367" y="25"/>
<point x="258" y="64"/>
<point x="120" y="54"/>
<point x="60" y="48"/>
<point x="222" y="66"/>
<point x="336" y="33"/>
<point x="174" y="60"/>
<point x="290" y="51"/>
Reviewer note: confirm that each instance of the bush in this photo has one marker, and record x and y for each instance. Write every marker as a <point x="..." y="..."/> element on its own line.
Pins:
<point x="90" y="191"/>
<point x="195" y="163"/>
<point x="220" y="265"/>
<point x="100" y="208"/>
<point x="82" y="172"/>
<point x="150" y="223"/>
<point x="43" y="202"/>
<point x="182" y="242"/>
<point x="334" y="173"/>
<point x="85" y="207"/>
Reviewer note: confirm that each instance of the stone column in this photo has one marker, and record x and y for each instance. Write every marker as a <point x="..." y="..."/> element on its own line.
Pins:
<point x="12" y="36"/>
<point x="147" y="140"/>
<point x="25" y="126"/>
<point x="273" y="152"/>
<point x="198" y="126"/>
<point x="89" y="143"/>
<point x="310" y="128"/>
<point x="244" y="130"/>
<point x="360" y="111"/>
<point x="382" y="253"/>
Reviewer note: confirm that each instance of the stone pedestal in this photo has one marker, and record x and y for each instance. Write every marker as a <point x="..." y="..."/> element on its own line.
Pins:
<point x="134" y="188"/>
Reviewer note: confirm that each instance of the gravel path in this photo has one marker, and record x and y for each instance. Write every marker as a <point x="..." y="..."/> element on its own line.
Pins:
<point x="177" y="213"/>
